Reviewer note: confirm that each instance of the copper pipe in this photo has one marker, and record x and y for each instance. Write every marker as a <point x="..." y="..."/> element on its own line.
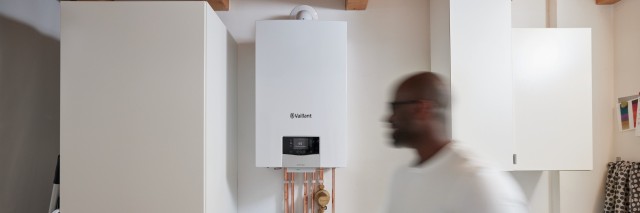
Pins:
<point x="293" y="192"/>
<point x="313" y="188"/>
<point x="309" y="193"/>
<point x="333" y="190"/>
<point x="304" y="210"/>
<point x="286" y="191"/>
<point x="321" y="177"/>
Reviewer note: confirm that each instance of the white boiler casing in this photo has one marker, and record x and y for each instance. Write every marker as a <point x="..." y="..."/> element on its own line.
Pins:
<point x="301" y="93"/>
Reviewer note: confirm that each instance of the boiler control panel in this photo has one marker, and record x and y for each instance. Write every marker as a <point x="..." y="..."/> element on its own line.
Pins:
<point x="300" y="145"/>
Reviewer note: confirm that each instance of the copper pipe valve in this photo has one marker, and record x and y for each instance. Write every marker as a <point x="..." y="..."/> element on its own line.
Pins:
<point x="322" y="198"/>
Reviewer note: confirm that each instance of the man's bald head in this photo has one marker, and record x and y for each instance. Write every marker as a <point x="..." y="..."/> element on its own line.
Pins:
<point x="419" y="111"/>
<point x="424" y="86"/>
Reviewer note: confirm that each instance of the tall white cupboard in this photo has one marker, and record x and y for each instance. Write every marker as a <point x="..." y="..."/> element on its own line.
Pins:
<point x="148" y="108"/>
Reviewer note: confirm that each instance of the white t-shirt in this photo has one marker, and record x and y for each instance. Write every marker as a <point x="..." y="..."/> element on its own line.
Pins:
<point x="453" y="181"/>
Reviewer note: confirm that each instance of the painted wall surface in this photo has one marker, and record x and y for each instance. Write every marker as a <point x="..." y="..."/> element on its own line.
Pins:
<point x="528" y="13"/>
<point x="221" y="174"/>
<point x="385" y="42"/>
<point x="42" y="15"/>
<point x="627" y="70"/>
<point x="29" y="117"/>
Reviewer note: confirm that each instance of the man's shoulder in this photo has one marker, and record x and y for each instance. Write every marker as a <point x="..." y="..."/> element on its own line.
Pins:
<point x="464" y="160"/>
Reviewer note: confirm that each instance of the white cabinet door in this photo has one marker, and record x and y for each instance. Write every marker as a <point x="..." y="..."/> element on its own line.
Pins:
<point x="552" y="99"/>
<point x="146" y="108"/>
<point x="481" y="79"/>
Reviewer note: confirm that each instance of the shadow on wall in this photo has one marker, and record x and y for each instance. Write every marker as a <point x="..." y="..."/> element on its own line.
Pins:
<point x="232" y="127"/>
<point x="527" y="177"/>
<point x="251" y="177"/>
<point x="29" y="117"/>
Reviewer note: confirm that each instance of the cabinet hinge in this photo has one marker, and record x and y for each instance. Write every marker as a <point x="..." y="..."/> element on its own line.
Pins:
<point x="515" y="159"/>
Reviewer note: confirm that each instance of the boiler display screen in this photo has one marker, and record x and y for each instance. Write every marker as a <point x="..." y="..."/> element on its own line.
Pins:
<point x="300" y="145"/>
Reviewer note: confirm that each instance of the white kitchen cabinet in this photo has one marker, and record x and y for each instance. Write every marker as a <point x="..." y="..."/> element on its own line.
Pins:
<point x="471" y="45"/>
<point x="553" y="98"/>
<point x="517" y="117"/>
<point x="148" y="108"/>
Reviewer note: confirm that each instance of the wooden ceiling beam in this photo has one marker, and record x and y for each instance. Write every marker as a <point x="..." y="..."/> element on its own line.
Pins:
<point x="356" y="4"/>
<point x="606" y="2"/>
<point x="219" y="5"/>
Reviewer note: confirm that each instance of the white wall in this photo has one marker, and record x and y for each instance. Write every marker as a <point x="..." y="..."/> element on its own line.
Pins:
<point x="221" y="177"/>
<point x="385" y="42"/>
<point x="41" y="15"/>
<point x="528" y="13"/>
<point x="29" y="117"/>
<point x="29" y="103"/>
<point x="627" y="70"/>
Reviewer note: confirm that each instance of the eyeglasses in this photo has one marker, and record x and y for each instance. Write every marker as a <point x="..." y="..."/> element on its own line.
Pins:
<point x="395" y="104"/>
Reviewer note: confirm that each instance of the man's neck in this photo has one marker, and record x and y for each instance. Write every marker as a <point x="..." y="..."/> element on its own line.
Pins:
<point x="428" y="150"/>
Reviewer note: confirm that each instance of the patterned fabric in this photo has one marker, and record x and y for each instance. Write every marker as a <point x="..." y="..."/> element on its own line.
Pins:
<point x="609" y="191"/>
<point x="634" y="187"/>
<point x="622" y="193"/>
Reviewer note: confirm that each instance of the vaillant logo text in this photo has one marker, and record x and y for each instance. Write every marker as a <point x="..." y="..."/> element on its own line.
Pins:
<point x="299" y="115"/>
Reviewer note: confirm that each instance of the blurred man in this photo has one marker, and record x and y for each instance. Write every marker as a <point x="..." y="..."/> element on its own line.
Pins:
<point x="444" y="178"/>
